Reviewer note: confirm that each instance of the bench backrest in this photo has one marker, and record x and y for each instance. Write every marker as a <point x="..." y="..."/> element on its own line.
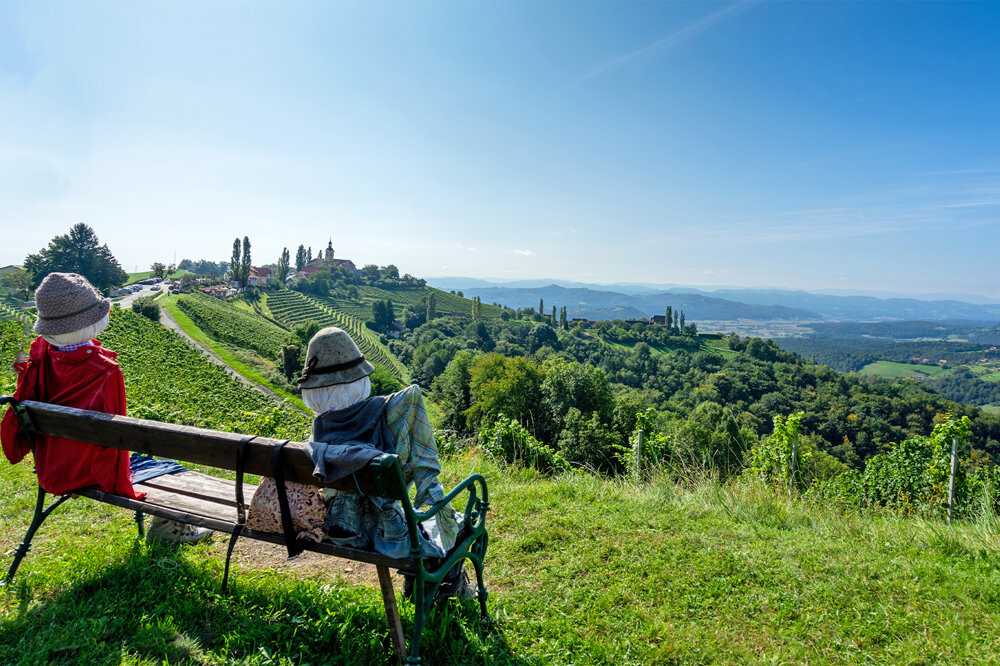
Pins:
<point x="383" y="477"/>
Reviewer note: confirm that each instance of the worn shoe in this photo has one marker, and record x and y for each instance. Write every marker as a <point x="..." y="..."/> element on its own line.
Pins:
<point x="171" y="531"/>
<point x="456" y="584"/>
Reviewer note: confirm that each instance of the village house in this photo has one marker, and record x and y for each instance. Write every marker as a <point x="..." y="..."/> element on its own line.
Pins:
<point x="259" y="277"/>
<point x="395" y="330"/>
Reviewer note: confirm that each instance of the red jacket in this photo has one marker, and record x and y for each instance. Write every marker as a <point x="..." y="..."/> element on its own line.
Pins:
<point x="85" y="378"/>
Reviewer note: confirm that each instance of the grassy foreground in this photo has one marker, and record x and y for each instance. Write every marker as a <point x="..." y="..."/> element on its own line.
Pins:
<point x="581" y="570"/>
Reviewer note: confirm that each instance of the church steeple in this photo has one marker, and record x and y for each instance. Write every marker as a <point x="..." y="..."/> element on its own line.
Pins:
<point x="329" y="251"/>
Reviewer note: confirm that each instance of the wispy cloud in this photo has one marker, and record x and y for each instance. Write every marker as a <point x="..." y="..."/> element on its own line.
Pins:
<point x="667" y="42"/>
<point x="524" y="253"/>
<point x="971" y="204"/>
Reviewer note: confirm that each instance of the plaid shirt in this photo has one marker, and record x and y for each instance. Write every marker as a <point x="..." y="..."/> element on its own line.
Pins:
<point x="69" y="348"/>
<point x="406" y="417"/>
<point x="370" y="522"/>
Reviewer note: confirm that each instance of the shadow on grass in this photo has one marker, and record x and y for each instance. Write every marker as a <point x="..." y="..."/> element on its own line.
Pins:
<point x="159" y="606"/>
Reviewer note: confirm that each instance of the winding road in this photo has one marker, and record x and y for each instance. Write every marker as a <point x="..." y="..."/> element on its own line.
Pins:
<point x="168" y="321"/>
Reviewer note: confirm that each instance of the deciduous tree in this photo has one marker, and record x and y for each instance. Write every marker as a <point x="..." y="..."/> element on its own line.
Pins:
<point x="17" y="280"/>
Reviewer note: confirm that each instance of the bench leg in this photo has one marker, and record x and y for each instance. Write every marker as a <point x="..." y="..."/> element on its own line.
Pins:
<point x="392" y="613"/>
<point x="41" y="513"/>
<point x="140" y="523"/>
<point x="477" y="555"/>
<point x="420" y="610"/>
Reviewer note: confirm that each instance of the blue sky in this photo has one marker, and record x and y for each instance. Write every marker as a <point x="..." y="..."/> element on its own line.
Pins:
<point x="809" y="145"/>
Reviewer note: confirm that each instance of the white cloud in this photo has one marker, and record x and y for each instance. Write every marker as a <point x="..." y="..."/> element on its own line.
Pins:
<point x="667" y="42"/>
<point x="524" y="253"/>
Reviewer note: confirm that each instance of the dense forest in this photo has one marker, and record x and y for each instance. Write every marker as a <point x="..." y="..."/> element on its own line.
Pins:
<point x="851" y="347"/>
<point x="582" y="390"/>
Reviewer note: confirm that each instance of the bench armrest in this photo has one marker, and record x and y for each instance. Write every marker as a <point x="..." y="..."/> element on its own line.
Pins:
<point x="475" y="508"/>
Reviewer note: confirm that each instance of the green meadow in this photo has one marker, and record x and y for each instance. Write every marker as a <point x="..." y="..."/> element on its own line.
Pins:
<point x="891" y="369"/>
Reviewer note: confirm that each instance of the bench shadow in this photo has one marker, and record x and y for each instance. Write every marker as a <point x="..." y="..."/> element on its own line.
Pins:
<point x="162" y="605"/>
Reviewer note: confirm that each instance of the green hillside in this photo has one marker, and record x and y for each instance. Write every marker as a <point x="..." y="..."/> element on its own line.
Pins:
<point x="414" y="298"/>
<point x="225" y="321"/>
<point x="291" y="308"/>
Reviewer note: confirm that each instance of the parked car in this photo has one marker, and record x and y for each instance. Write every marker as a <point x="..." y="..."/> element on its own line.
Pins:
<point x="155" y="287"/>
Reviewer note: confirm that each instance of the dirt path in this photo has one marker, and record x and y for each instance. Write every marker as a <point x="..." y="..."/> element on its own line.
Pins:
<point x="169" y="322"/>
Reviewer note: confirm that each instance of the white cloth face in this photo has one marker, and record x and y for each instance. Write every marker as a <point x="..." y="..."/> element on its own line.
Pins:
<point x="339" y="396"/>
<point x="76" y="337"/>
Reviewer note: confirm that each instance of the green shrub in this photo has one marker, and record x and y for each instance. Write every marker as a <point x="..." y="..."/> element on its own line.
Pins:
<point x="913" y="477"/>
<point x="770" y="461"/>
<point x="507" y="440"/>
<point x="146" y="307"/>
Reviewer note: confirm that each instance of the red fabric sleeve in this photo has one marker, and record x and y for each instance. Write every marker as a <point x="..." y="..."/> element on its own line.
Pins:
<point x="15" y="443"/>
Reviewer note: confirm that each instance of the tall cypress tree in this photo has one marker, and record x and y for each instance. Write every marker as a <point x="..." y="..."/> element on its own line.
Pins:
<point x="245" y="263"/>
<point x="300" y="258"/>
<point x="234" y="262"/>
<point x="283" y="267"/>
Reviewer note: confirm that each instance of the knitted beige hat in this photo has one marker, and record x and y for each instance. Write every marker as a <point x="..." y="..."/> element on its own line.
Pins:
<point x="67" y="302"/>
<point x="333" y="358"/>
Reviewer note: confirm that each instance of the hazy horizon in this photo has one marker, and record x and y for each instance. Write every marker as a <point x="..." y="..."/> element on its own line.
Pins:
<point x="815" y="146"/>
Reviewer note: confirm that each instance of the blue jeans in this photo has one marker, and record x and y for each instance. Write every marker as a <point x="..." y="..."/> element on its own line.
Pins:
<point x="360" y="521"/>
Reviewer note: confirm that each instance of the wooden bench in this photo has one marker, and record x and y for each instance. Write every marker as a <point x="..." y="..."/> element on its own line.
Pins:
<point x="219" y="504"/>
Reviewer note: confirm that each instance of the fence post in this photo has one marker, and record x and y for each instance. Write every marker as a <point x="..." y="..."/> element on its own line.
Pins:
<point x="795" y="466"/>
<point x="951" y="480"/>
<point x="637" y="473"/>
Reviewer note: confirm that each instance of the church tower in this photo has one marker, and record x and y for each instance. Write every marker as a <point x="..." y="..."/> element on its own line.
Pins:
<point x="329" y="252"/>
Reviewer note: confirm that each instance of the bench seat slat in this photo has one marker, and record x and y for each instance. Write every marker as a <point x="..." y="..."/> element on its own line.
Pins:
<point x="207" y="507"/>
<point x="199" y="486"/>
<point x="172" y="511"/>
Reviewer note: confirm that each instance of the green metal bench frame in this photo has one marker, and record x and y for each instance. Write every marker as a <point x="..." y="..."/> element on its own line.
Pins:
<point x="383" y="477"/>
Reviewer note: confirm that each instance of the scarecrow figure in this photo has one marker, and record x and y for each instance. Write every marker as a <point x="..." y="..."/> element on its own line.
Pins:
<point x="67" y="366"/>
<point x="351" y="427"/>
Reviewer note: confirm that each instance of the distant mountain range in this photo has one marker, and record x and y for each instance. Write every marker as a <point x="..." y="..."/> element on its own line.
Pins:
<point x="626" y="301"/>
